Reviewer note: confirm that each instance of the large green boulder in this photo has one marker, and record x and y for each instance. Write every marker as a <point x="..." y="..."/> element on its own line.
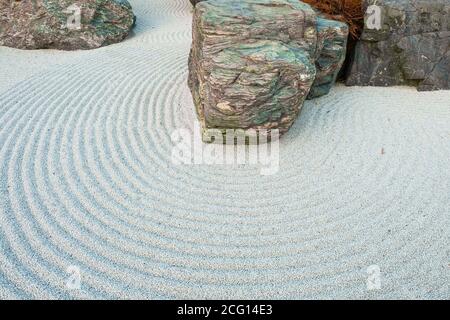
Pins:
<point x="254" y="62"/>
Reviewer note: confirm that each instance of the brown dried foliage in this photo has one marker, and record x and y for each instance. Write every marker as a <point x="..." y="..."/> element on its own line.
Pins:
<point x="349" y="11"/>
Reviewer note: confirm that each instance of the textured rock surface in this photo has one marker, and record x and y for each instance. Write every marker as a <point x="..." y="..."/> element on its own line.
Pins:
<point x="412" y="46"/>
<point x="330" y="55"/>
<point x="252" y="62"/>
<point x="64" y="24"/>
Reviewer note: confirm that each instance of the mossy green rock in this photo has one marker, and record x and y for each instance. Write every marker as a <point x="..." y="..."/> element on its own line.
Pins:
<point x="64" y="24"/>
<point x="253" y="62"/>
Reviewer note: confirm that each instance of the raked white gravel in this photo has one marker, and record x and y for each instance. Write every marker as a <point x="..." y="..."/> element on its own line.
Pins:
<point x="88" y="190"/>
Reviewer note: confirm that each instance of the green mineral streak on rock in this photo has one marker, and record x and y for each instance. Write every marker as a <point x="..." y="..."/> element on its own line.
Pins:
<point x="54" y="10"/>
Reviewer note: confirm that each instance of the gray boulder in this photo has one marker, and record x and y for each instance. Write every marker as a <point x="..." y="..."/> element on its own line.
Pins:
<point x="410" y="45"/>
<point x="64" y="24"/>
<point x="253" y="62"/>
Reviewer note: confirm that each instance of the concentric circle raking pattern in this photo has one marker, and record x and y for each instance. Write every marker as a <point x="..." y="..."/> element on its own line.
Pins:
<point x="89" y="191"/>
